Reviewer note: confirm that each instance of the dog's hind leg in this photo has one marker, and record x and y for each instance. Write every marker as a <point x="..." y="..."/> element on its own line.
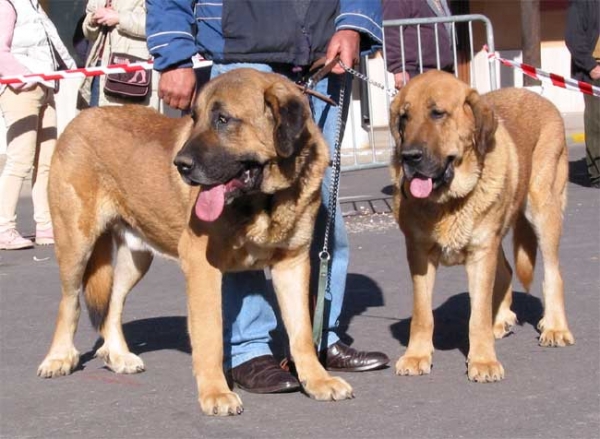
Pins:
<point x="504" y="318"/>
<point x="525" y="249"/>
<point x="546" y="202"/>
<point x="131" y="264"/>
<point x="73" y="250"/>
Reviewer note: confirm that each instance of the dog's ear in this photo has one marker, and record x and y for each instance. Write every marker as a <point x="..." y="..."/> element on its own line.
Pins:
<point x="398" y="118"/>
<point x="290" y="114"/>
<point x="485" y="122"/>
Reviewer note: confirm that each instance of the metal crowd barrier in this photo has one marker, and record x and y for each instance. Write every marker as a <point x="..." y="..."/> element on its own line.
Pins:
<point x="367" y="142"/>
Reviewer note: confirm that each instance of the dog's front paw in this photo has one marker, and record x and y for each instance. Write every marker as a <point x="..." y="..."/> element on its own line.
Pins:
<point x="414" y="365"/>
<point x="485" y="371"/>
<point x="55" y="365"/>
<point x="221" y="404"/>
<point x="503" y="323"/>
<point x="125" y="362"/>
<point x="328" y="389"/>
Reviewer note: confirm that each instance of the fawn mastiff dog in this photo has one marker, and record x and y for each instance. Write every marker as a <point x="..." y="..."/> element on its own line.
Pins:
<point x="243" y="196"/>
<point x="467" y="168"/>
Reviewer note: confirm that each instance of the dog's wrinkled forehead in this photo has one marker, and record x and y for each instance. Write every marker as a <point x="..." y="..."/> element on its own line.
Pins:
<point x="433" y="90"/>
<point x="235" y="94"/>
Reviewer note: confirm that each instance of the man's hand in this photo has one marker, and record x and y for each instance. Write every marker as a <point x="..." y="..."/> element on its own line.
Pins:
<point x="106" y="17"/>
<point x="400" y="79"/>
<point x="177" y="87"/>
<point x="346" y="44"/>
<point x="595" y="72"/>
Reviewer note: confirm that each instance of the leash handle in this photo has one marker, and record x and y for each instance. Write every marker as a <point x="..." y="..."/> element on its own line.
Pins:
<point x="320" y="303"/>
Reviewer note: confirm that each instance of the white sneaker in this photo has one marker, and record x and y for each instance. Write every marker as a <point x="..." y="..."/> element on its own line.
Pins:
<point x="44" y="236"/>
<point x="12" y="240"/>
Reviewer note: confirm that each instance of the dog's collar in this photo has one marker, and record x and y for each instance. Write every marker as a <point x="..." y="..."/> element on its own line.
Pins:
<point x="318" y="71"/>
<point x="316" y="94"/>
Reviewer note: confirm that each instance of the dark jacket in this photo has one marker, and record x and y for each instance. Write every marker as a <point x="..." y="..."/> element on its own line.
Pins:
<point x="399" y="9"/>
<point x="264" y="31"/>
<point x="581" y="35"/>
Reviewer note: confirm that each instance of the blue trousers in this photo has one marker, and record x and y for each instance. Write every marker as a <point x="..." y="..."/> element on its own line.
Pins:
<point x="249" y="318"/>
<point x="95" y="92"/>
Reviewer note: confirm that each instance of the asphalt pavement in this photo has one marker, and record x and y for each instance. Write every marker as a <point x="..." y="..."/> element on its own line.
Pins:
<point x="547" y="393"/>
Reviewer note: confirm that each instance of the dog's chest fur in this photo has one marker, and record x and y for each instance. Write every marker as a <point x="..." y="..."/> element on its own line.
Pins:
<point x="458" y="226"/>
<point x="456" y="234"/>
<point x="451" y="233"/>
<point x="261" y="239"/>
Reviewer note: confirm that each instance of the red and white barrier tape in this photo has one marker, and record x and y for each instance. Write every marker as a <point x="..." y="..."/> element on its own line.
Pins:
<point x="89" y="71"/>
<point x="558" y="81"/>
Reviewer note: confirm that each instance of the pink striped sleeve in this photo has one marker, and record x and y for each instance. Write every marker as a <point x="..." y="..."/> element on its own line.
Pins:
<point x="8" y="64"/>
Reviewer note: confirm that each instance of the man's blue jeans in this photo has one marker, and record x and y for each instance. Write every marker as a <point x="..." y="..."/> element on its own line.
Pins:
<point x="248" y="301"/>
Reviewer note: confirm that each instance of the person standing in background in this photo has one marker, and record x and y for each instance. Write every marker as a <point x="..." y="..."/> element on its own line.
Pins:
<point x="114" y="26"/>
<point x="583" y="41"/>
<point x="408" y="68"/>
<point x="81" y="44"/>
<point x="29" y="43"/>
<point x="284" y="37"/>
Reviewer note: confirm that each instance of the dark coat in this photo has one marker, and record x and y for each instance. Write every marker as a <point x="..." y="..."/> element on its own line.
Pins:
<point x="398" y="9"/>
<point x="581" y="35"/>
<point x="260" y="31"/>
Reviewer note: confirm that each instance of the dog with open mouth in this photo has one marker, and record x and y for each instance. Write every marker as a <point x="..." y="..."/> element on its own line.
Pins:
<point x="234" y="187"/>
<point x="467" y="168"/>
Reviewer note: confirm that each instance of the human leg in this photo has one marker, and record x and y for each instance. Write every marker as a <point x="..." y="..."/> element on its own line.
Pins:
<point x="95" y="91"/>
<point x="21" y="116"/>
<point x="327" y="117"/>
<point x="46" y="142"/>
<point x="248" y="321"/>
<point x="249" y="318"/>
<point x="337" y="355"/>
<point x="591" y="118"/>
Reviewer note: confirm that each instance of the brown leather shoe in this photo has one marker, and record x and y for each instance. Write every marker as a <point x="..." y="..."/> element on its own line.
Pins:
<point x="264" y="375"/>
<point x="342" y="358"/>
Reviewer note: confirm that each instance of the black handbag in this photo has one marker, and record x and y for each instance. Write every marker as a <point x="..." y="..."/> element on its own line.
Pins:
<point x="132" y="86"/>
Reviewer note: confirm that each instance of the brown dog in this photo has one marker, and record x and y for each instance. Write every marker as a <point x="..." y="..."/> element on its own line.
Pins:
<point x="466" y="168"/>
<point x="252" y="162"/>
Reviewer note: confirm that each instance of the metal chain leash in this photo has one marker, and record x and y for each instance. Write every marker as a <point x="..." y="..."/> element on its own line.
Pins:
<point x="336" y="163"/>
<point x="324" y="255"/>
<point x="390" y="92"/>
<point x="336" y="170"/>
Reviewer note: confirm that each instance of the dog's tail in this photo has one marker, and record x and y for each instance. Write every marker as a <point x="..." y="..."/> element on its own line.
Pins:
<point x="525" y="250"/>
<point x="98" y="280"/>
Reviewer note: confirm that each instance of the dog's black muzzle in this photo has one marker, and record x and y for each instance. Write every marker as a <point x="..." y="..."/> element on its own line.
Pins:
<point x="417" y="161"/>
<point x="239" y="177"/>
<point x="185" y="166"/>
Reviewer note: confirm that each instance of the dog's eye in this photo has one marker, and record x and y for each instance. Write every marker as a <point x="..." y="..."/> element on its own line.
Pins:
<point x="221" y="120"/>
<point x="194" y="115"/>
<point x="436" y="113"/>
<point x="402" y="121"/>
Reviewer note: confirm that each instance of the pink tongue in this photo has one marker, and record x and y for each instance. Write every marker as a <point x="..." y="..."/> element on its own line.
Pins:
<point x="421" y="187"/>
<point x="210" y="203"/>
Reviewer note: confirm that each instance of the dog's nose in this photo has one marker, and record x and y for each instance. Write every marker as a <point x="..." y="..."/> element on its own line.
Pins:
<point x="184" y="164"/>
<point x="412" y="156"/>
